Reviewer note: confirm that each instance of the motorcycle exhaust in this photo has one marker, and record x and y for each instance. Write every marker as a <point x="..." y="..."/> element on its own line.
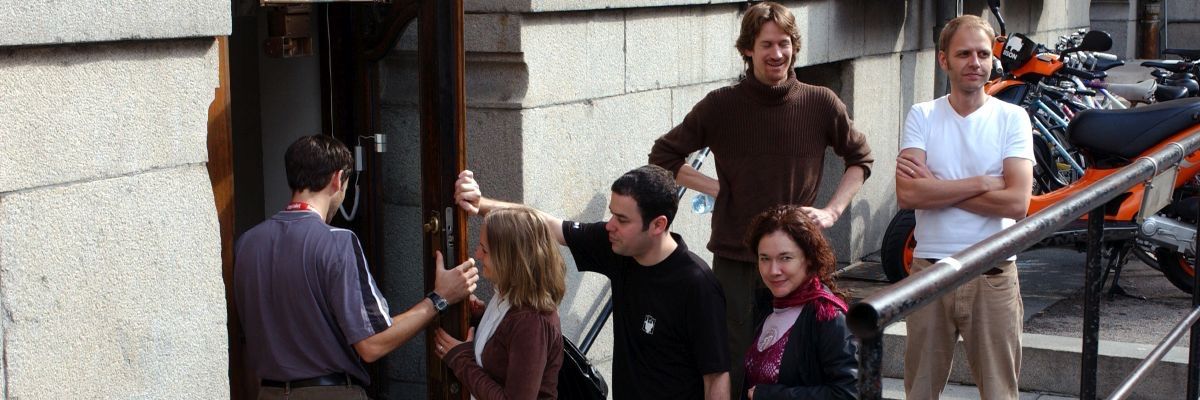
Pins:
<point x="1168" y="232"/>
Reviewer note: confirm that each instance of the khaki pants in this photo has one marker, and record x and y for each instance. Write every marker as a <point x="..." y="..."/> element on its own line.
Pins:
<point x="351" y="392"/>
<point x="739" y="280"/>
<point x="987" y="312"/>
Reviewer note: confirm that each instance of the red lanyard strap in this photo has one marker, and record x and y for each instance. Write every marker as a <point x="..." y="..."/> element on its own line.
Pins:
<point x="299" y="206"/>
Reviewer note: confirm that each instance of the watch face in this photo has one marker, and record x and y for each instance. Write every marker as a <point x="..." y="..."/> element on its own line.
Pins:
<point x="441" y="304"/>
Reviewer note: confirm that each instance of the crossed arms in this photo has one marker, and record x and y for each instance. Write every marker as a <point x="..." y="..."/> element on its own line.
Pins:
<point x="1004" y="196"/>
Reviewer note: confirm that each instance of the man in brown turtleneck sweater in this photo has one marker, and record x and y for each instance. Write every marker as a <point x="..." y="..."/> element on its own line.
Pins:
<point x="768" y="135"/>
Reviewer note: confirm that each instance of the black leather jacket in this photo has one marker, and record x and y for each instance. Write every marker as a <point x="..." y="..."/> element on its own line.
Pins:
<point x="818" y="361"/>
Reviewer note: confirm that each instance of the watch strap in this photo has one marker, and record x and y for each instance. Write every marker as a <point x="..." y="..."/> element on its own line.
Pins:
<point x="439" y="303"/>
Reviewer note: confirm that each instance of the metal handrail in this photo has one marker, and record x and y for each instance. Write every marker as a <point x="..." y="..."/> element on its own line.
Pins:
<point x="1155" y="356"/>
<point x="869" y="317"/>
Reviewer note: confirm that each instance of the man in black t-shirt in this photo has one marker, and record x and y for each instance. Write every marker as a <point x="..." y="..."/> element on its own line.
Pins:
<point x="668" y="309"/>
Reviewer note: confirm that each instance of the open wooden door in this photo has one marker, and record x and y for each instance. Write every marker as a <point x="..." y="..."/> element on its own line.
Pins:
<point x="443" y="154"/>
<point x="220" y="172"/>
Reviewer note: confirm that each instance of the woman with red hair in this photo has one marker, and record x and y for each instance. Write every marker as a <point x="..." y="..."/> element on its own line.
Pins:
<point x="802" y="349"/>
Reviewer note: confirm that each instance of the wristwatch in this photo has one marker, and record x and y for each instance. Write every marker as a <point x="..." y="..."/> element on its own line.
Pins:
<point x="439" y="303"/>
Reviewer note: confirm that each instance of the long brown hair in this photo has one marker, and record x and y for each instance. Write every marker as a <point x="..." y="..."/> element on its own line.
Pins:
<point x="528" y="268"/>
<point x="807" y="235"/>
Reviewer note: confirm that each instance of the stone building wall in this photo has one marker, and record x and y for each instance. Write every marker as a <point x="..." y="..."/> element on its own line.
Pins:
<point x="110" y="269"/>
<point x="1123" y="19"/>
<point x="1183" y="24"/>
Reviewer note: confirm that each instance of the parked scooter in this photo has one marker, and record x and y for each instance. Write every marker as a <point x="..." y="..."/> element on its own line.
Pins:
<point x="1098" y="143"/>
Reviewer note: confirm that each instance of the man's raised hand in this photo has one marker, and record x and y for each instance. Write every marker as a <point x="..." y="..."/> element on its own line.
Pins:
<point x="466" y="192"/>
<point x="455" y="284"/>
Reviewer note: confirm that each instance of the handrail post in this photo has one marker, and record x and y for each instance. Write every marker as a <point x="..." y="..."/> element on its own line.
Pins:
<point x="870" y="361"/>
<point x="1193" y="370"/>
<point x="1093" y="286"/>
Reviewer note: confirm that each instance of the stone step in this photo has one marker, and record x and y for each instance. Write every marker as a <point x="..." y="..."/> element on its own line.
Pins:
<point x="893" y="389"/>
<point x="1051" y="365"/>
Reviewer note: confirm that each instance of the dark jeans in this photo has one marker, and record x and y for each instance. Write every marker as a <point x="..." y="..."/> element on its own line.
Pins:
<point x="739" y="280"/>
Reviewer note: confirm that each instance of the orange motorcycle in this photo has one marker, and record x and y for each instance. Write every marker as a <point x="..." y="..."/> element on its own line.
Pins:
<point x="1093" y="144"/>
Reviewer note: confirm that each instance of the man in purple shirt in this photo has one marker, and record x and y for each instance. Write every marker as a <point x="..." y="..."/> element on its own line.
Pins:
<point x="310" y="310"/>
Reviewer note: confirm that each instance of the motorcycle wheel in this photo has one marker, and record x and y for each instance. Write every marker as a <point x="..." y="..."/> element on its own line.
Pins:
<point x="1177" y="267"/>
<point x="896" y="254"/>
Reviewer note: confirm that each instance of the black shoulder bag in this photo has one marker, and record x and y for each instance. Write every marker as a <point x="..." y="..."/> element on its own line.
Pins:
<point x="578" y="379"/>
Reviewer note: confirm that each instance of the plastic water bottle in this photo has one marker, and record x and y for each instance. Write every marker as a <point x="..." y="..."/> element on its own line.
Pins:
<point x="703" y="203"/>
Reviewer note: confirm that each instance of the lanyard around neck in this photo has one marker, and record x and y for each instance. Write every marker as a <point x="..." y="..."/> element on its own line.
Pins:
<point x="299" y="206"/>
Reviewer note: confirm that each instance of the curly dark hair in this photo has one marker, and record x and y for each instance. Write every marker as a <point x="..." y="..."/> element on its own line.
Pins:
<point x="807" y="235"/>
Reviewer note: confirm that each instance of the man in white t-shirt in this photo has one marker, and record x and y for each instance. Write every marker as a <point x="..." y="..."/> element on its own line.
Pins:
<point x="966" y="167"/>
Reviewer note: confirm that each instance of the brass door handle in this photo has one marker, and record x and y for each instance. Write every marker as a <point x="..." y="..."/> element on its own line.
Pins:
<point x="434" y="223"/>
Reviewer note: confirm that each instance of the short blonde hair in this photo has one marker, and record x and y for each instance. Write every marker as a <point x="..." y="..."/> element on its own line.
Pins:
<point x="528" y="268"/>
<point x="952" y="27"/>
<point x="757" y="16"/>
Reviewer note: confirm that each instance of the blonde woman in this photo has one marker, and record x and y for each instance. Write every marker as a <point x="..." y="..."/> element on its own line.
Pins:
<point x="518" y="348"/>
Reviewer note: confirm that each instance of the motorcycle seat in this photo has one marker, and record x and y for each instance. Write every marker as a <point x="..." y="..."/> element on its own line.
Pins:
<point x="1127" y="133"/>
<point x="1169" y="65"/>
<point x="1105" y="65"/>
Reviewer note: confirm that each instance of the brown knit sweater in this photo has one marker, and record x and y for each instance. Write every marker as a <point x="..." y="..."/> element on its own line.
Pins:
<point x="768" y="144"/>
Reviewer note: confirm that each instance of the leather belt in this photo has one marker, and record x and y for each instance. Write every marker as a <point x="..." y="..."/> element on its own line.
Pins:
<point x="993" y="271"/>
<point x="327" y="380"/>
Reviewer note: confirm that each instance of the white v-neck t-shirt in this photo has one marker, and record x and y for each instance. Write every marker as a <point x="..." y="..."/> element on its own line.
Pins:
<point x="958" y="147"/>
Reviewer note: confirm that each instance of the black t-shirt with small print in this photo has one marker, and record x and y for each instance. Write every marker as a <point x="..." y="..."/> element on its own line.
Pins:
<point x="668" y="318"/>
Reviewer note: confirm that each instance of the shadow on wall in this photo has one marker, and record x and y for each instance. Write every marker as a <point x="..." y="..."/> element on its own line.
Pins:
<point x="586" y="291"/>
<point x="836" y="31"/>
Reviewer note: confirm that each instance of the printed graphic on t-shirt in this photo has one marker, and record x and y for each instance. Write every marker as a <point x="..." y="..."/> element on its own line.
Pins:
<point x="648" y="325"/>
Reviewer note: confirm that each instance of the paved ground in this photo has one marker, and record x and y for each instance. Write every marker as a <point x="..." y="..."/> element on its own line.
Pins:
<point x="1131" y="72"/>
<point x="1122" y="319"/>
